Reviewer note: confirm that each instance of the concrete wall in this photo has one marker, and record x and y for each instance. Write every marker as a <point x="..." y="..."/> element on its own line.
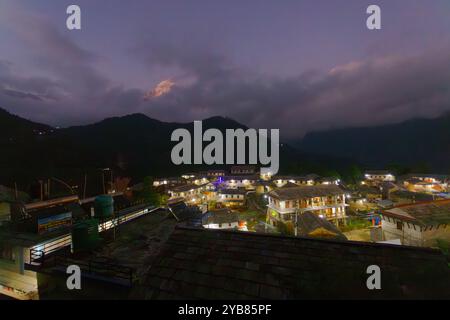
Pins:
<point x="409" y="235"/>
<point x="414" y="235"/>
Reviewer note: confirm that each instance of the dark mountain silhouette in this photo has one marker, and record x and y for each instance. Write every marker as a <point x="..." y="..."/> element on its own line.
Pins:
<point x="132" y="146"/>
<point x="14" y="128"/>
<point x="422" y="144"/>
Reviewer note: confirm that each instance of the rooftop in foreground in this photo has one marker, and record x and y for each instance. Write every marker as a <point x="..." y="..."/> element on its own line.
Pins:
<point x="425" y="214"/>
<point x="204" y="264"/>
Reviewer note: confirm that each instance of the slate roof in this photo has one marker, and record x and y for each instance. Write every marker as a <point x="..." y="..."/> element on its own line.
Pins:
<point x="309" y="222"/>
<point x="241" y="177"/>
<point x="441" y="177"/>
<point x="182" y="212"/>
<point x="212" y="264"/>
<point x="289" y="185"/>
<point x="378" y="172"/>
<point x="188" y="187"/>
<point x="232" y="191"/>
<point x="220" y="216"/>
<point x="305" y="192"/>
<point x="424" y="214"/>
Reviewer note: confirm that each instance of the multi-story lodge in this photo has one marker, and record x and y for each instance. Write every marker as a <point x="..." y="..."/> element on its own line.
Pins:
<point x="420" y="224"/>
<point x="377" y="177"/>
<point x="244" y="181"/>
<point x="232" y="197"/>
<point x="193" y="193"/>
<point x="326" y="201"/>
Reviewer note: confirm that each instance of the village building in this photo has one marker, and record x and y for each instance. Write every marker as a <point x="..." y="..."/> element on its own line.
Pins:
<point x="265" y="174"/>
<point x="264" y="186"/>
<point x="194" y="193"/>
<point x="240" y="181"/>
<point x="370" y="193"/>
<point x="376" y="177"/>
<point x="310" y="225"/>
<point x="246" y="170"/>
<point x="221" y="219"/>
<point x="427" y="183"/>
<point x="326" y="201"/>
<point x="329" y="180"/>
<point x="215" y="173"/>
<point x="200" y="180"/>
<point x="280" y="181"/>
<point x="232" y="197"/>
<point x="420" y="224"/>
<point x="189" y="175"/>
<point x="170" y="181"/>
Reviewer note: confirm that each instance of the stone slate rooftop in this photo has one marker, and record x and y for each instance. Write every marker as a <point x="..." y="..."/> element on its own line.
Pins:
<point x="211" y="264"/>
<point x="310" y="224"/>
<point x="306" y="192"/>
<point x="220" y="216"/>
<point x="424" y="214"/>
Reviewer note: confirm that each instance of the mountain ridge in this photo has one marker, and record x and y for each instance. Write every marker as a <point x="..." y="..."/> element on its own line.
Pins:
<point x="419" y="142"/>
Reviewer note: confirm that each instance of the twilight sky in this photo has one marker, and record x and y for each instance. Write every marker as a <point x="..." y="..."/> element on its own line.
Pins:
<point x="297" y="65"/>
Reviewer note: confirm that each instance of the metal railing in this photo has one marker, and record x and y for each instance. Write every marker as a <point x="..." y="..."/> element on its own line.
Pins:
<point x="40" y="252"/>
<point x="100" y="270"/>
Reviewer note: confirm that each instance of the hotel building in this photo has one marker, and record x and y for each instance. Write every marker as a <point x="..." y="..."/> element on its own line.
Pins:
<point x="326" y="201"/>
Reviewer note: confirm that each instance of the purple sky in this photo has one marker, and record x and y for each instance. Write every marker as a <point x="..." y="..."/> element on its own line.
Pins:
<point x="296" y="65"/>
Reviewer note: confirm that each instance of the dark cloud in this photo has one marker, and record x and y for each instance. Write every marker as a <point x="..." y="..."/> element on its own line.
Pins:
<point x="73" y="90"/>
<point x="70" y="89"/>
<point x="374" y="91"/>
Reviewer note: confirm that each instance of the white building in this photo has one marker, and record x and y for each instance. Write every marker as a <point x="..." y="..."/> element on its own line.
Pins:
<point x="193" y="193"/>
<point x="377" y="177"/>
<point x="420" y="224"/>
<point x="231" y="197"/>
<point x="326" y="201"/>
<point x="234" y="182"/>
<point x="221" y="219"/>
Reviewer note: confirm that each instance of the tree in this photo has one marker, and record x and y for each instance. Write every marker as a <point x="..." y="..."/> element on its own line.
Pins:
<point x="354" y="174"/>
<point x="150" y="195"/>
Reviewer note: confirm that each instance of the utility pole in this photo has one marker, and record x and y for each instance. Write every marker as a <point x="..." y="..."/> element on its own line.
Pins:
<point x="84" y="188"/>
<point x="41" y="191"/>
<point x="103" y="182"/>
<point x="16" y="193"/>
<point x="112" y="182"/>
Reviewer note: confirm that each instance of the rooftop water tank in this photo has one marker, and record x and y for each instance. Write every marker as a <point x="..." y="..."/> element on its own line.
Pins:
<point x="85" y="235"/>
<point x="103" y="206"/>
